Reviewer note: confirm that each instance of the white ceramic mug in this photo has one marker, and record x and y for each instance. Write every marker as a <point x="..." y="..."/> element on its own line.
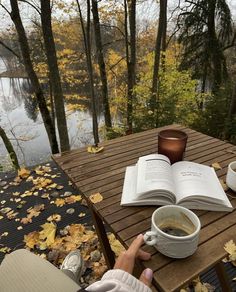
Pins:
<point x="231" y="176"/>
<point x="174" y="246"/>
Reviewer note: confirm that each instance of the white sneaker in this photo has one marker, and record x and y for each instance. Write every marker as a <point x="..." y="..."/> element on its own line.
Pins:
<point x="74" y="263"/>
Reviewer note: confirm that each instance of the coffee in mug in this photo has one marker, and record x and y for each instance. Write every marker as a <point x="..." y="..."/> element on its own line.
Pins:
<point x="231" y="176"/>
<point x="174" y="231"/>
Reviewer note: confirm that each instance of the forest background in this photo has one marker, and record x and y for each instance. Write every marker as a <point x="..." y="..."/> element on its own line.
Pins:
<point x="141" y="63"/>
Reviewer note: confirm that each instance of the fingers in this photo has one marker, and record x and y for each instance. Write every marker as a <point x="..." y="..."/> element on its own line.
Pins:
<point x="126" y="259"/>
<point x="143" y="255"/>
<point x="146" y="277"/>
<point x="135" y="245"/>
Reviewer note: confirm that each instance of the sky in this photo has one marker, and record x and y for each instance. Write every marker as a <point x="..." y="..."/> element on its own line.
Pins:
<point x="148" y="10"/>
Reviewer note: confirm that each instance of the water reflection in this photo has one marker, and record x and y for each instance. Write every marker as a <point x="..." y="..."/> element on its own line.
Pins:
<point x="20" y="118"/>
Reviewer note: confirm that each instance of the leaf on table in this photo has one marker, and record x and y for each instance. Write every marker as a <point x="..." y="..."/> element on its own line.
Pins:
<point x="54" y="217"/>
<point x="23" y="173"/>
<point x="1" y="217"/>
<point x="16" y="193"/>
<point x="94" y="149"/>
<point x="19" y="228"/>
<point x="96" y="198"/>
<point x="216" y="166"/>
<point x="48" y="233"/>
<point x="224" y="185"/>
<point x="4" y="234"/>
<point x="234" y="279"/>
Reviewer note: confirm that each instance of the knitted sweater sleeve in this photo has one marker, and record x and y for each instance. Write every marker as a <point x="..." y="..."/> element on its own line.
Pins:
<point x="118" y="281"/>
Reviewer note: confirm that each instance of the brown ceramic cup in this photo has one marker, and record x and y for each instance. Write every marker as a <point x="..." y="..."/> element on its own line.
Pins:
<point x="172" y="143"/>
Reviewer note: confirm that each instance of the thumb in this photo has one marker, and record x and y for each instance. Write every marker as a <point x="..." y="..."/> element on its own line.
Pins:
<point x="146" y="277"/>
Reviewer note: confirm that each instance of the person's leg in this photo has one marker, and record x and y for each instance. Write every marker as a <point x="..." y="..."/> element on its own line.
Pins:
<point x="22" y="271"/>
<point x="73" y="265"/>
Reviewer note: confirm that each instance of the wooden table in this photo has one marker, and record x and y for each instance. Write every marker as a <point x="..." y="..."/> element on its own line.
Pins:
<point x="104" y="173"/>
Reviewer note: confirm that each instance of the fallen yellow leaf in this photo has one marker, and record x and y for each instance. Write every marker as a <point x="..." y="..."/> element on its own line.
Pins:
<point x="23" y="173"/>
<point x="72" y="199"/>
<point x="59" y="202"/>
<point x="5" y="249"/>
<point x="48" y="233"/>
<point x="216" y="166"/>
<point x="54" y="217"/>
<point x="96" y="198"/>
<point x="230" y="247"/>
<point x="94" y="149"/>
<point x="224" y="185"/>
<point x="31" y="239"/>
<point x="116" y="246"/>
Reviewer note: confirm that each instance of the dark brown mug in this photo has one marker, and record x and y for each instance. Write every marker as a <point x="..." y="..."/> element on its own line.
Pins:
<point x="172" y="143"/>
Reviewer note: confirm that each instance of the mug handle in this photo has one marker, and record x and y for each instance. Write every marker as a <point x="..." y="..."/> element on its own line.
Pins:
<point x="150" y="238"/>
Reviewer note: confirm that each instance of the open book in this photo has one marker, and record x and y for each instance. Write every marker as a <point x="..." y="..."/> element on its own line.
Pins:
<point x="154" y="181"/>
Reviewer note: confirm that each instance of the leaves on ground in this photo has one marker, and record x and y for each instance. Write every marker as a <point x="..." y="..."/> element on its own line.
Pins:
<point x="96" y="198"/>
<point x="23" y="173"/>
<point x="116" y="246"/>
<point x="94" y="149"/>
<point x="48" y="233"/>
<point x="230" y="248"/>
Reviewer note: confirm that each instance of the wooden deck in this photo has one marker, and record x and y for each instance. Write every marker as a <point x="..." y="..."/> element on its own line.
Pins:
<point x="104" y="173"/>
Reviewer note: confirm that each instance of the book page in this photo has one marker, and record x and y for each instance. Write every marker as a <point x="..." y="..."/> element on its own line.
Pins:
<point x="154" y="173"/>
<point x="197" y="181"/>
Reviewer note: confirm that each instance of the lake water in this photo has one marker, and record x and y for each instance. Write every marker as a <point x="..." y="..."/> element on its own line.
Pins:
<point x="25" y="128"/>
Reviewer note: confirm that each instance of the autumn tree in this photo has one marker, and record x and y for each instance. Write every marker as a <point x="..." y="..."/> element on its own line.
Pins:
<point x="9" y="148"/>
<point x="101" y="63"/>
<point x="130" y="46"/>
<point x="54" y="75"/>
<point x="25" y="51"/>
<point x="88" y="51"/>
<point x="206" y="28"/>
<point x="160" y="45"/>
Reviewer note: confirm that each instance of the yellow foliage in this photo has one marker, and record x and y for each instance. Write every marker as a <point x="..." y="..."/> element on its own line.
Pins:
<point x="48" y="233"/>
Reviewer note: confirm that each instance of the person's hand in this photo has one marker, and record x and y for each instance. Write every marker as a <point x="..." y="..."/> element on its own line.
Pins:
<point x="127" y="258"/>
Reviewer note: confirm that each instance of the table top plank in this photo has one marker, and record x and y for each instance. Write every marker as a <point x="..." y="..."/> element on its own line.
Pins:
<point x="104" y="173"/>
<point x="185" y="270"/>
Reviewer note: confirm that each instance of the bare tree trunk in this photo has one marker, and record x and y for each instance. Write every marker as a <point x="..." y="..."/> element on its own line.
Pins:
<point x="217" y="56"/>
<point x="15" y="16"/>
<point x="130" y="40"/>
<point x="232" y="108"/>
<point x="101" y="63"/>
<point x="54" y="74"/>
<point x="164" y="43"/>
<point x="9" y="148"/>
<point x="159" y="41"/>
<point x="88" y="52"/>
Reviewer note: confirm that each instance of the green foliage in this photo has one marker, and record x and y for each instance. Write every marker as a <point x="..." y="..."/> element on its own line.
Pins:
<point x="212" y="119"/>
<point x="176" y="96"/>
